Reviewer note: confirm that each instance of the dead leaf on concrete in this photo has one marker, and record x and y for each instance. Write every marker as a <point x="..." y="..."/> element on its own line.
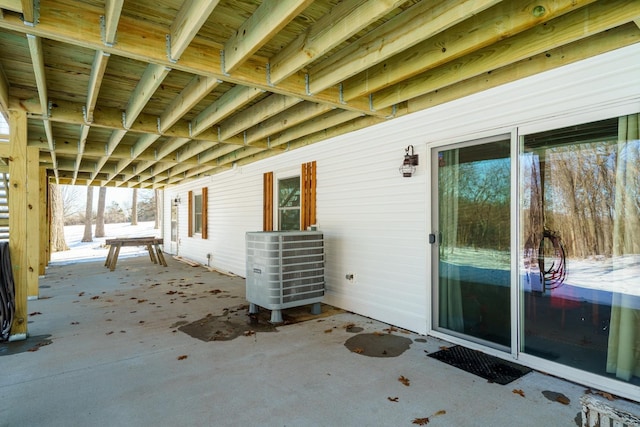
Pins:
<point x="563" y="399"/>
<point x="249" y="333"/>
<point x="75" y="323"/>
<point x="518" y="391"/>
<point x="328" y="331"/>
<point x="109" y="333"/>
<point x="426" y="420"/>
<point x="184" y="356"/>
<point x="35" y="313"/>
<point x="404" y="380"/>
<point x="358" y="350"/>
<point x="392" y="399"/>
<point x="95" y="297"/>
<point x="606" y="395"/>
<point x="444" y="348"/>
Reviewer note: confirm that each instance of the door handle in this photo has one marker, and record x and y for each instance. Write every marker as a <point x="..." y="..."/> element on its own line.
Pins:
<point x="432" y="238"/>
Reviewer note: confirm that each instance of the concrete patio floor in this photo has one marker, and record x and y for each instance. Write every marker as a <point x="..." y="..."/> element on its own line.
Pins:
<point x="114" y="356"/>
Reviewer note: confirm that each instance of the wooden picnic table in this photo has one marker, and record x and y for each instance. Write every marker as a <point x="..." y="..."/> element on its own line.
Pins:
<point x="152" y="244"/>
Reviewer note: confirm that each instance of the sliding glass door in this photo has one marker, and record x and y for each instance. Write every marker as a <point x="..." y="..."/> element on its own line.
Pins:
<point x="580" y="247"/>
<point x="471" y="257"/>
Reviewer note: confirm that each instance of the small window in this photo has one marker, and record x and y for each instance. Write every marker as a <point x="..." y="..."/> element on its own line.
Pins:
<point x="197" y="213"/>
<point x="289" y="203"/>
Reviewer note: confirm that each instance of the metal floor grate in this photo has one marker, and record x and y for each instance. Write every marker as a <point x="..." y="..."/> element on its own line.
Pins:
<point x="488" y="367"/>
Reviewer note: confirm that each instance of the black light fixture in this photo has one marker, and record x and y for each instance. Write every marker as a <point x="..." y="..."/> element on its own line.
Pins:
<point x="176" y="201"/>
<point x="409" y="163"/>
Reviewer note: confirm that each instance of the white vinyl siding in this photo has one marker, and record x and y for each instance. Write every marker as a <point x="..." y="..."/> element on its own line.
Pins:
<point x="375" y="221"/>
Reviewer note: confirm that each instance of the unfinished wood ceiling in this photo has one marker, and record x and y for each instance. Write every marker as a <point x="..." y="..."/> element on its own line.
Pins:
<point x="150" y="93"/>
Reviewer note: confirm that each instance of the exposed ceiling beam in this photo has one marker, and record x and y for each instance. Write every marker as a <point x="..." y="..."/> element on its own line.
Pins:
<point x="474" y="33"/>
<point x="268" y="107"/>
<point x="170" y="146"/>
<point x="223" y="107"/>
<point x="28" y="12"/>
<point x="201" y="58"/>
<point x="600" y="43"/>
<point x="84" y="132"/>
<point x="151" y="79"/>
<point x="198" y="88"/>
<point x="140" y="145"/>
<point x="191" y="16"/>
<point x="12" y="5"/>
<point x="37" y="59"/>
<point x="111" y="118"/>
<point x="325" y="121"/>
<point x="112" y="11"/>
<point x="284" y="120"/>
<point x="194" y="148"/>
<point x="100" y="61"/>
<point x="267" y="20"/>
<point x="415" y="24"/>
<point x="216" y="152"/>
<point x="342" y="22"/>
<point x="565" y="29"/>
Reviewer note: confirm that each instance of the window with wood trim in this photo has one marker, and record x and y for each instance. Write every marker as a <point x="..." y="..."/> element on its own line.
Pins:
<point x="296" y="200"/>
<point x="197" y="221"/>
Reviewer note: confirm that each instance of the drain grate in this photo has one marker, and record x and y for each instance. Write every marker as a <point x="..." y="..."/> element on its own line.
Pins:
<point x="483" y="365"/>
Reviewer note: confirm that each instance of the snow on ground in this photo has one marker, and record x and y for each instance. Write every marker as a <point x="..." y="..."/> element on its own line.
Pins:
<point x="96" y="249"/>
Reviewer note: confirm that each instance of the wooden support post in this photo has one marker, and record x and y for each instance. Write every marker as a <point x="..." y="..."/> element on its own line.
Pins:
<point x="33" y="222"/>
<point x="45" y="240"/>
<point x="18" y="219"/>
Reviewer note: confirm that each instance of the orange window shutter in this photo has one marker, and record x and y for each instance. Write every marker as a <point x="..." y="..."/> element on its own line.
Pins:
<point x="308" y="205"/>
<point x="267" y="202"/>
<point x="205" y="193"/>
<point x="190" y="214"/>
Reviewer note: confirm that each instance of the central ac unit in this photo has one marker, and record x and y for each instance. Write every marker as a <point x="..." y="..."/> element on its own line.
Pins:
<point x="284" y="269"/>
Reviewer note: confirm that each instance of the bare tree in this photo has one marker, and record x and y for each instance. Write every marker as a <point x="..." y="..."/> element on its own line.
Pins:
<point x="71" y="200"/>
<point x="57" y="220"/>
<point x="102" y="196"/>
<point x="134" y="207"/>
<point x="87" y="216"/>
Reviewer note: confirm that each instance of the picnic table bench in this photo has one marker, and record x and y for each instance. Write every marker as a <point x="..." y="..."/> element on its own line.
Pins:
<point x="152" y="244"/>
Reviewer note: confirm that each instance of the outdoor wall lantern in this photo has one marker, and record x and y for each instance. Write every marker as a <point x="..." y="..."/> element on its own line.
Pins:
<point x="176" y="201"/>
<point x="409" y="163"/>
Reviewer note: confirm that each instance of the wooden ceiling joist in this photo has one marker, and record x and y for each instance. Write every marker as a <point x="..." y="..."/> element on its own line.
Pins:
<point x="477" y="32"/>
<point x="198" y="88"/>
<point x="557" y="32"/>
<point x="417" y="23"/>
<point x="146" y="95"/>
<point x="109" y="21"/>
<point x="268" y="107"/>
<point x="268" y="19"/>
<point x="200" y="58"/>
<point x="235" y="98"/>
<point x="191" y="16"/>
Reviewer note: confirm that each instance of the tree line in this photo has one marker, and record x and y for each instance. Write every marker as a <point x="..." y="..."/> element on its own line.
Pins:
<point x="66" y="210"/>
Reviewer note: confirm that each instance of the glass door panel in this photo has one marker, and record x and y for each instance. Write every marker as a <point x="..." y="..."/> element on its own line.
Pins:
<point x="580" y="247"/>
<point x="472" y="262"/>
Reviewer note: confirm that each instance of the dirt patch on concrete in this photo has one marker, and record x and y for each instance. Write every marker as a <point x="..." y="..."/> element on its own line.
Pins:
<point x="236" y="321"/>
<point x="378" y="345"/>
